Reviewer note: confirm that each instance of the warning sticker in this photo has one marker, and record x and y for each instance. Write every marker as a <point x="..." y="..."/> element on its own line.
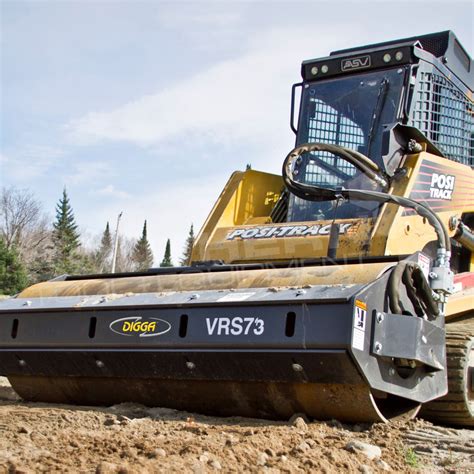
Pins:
<point x="424" y="262"/>
<point x="358" y="339"/>
<point x="360" y="321"/>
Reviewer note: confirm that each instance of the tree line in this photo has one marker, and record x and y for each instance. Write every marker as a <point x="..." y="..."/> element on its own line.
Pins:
<point x="33" y="249"/>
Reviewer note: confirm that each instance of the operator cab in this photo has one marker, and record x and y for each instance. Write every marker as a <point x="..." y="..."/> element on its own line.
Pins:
<point x="354" y="98"/>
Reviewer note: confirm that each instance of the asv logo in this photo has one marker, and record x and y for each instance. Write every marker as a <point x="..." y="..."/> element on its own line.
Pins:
<point x="234" y="326"/>
<point x="355" y="63"/>
<point x="442" y="186"/>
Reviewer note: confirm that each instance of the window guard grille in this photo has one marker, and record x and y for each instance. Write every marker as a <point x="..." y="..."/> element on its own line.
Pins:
<point x="327" y="125"/>
<point x="445" y="116"/>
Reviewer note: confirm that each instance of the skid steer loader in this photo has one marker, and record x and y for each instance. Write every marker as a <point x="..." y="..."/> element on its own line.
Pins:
<point x="343" y="289"/>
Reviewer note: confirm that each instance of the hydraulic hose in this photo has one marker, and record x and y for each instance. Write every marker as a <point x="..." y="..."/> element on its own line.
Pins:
<point x="361" y="162"/>
<point x="418" y="290"/>
<point x="310" y="192"/>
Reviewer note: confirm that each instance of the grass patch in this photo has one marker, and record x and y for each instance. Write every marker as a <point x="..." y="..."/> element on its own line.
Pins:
<point x="411" y="458"/>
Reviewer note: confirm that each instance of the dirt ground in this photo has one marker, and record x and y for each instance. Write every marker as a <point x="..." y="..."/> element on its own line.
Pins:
<point x="131" y="438"/>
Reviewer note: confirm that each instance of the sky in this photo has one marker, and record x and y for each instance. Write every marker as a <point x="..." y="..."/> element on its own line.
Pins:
<point x="147" y="107"/>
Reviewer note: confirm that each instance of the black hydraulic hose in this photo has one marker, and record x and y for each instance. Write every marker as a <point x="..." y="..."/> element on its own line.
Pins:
<point x="361" y="162"/>
<point x="393" y="288"/>
<point x="418" y="290"/>
<point x="418" y="287"/>
<point x="310" y="192"/>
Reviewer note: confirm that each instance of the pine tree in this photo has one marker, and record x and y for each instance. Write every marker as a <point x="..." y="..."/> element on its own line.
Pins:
<point x="106" y="241"/>
<point x="166" y="262"/>
<point x="13" y="276"/>
<point x="188" y="248"/>
<point x="142" y="254"/>
<point x="65" y="236"/>
<point x="104" y="253"/>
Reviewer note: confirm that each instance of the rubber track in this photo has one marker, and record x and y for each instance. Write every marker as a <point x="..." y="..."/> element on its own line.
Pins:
<point x="455" y="408"/>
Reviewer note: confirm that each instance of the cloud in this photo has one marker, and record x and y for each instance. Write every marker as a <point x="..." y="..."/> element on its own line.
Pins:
<point x="240" y="100"/>
<point x="112" y="192"/>
<point x="87" y="172"/>
<point x="28" y="162"/>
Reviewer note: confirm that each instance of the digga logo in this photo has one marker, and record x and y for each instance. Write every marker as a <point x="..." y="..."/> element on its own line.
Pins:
<point x="137" y="326"/>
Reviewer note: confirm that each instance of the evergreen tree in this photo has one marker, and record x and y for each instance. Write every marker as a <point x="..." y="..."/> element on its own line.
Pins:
<point x="13" y="276"/>
<point x="104" y="253"/>
<point x="166" y="262"/>
<point x="142" y="254"/>
<point x="106" y="241"/>
<point x="188" y="248"/>
<point x="65" y="237"/>
<point x="41" y="269"/>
